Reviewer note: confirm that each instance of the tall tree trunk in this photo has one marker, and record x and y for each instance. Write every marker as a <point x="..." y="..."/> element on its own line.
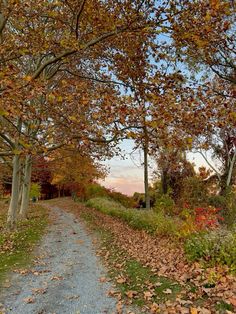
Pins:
<point x="146" y="188"/>
<point x="12" y="211"/>
<point x="231" y="167"/>
<point x="26" y="186"/>
<point x="164" y="181"/>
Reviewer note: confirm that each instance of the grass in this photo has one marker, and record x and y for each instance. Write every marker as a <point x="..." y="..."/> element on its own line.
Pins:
<point x="222" y="307"/>
<point x="16" y="246"/>
<point x="138" y="278"/>
<point x="150" y="221"/>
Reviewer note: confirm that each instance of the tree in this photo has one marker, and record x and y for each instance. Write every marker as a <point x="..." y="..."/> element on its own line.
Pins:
<point x="204" y="34"/>
<point x="74" y="170"/>
<point x="63" y="40"/>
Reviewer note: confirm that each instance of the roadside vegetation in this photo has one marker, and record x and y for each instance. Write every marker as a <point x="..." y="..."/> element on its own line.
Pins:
<point x="16" y="246"/>
<point x="152" y="271"/>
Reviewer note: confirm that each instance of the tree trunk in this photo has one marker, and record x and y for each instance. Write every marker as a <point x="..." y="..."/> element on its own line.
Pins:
<point x="12" y="211"/>
<point x="164" y="181"/>
<point x="146" y="188"/>
<point x="26" y="186"/>
<point x="231" y="167"/>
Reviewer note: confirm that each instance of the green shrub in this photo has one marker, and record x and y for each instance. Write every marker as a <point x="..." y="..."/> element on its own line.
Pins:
<point x="138" y="219"/>
<point x="35" y="190"/>
<point x="164" y="204"/>
<point x="217" y="201"/>
<point x="95" y="190"/>
<point x="228" y="205"/>
<point x="218" y="246"/>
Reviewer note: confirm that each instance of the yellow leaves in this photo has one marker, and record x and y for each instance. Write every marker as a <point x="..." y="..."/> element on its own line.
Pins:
<point x="51" y="97"/>
<point x="28" y="78"/>
<point x="73" y="118"/>
<point x="3" y="113"/>
<point x="24" y="144"/>
<point x="233" y="116"/>
<point x="193" y="310"/>
<point x="16" y="151"/>
<point x="189" y="142"/>
<point x="60" y="98"/>
<point x="215" y="4"/>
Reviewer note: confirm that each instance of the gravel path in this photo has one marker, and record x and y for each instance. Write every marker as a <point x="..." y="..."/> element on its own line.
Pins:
<point x="65" y="278"/>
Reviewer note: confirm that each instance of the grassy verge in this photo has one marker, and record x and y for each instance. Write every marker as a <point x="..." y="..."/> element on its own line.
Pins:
<point x="153" y="223"/>
<point x="135" y="282"/>
<point x="16" y="246"/>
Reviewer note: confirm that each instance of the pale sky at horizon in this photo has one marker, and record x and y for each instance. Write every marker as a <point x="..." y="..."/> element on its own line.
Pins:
<point x="126" y="175"/>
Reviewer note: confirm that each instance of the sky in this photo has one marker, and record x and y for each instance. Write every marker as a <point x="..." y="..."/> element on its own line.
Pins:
<point x="126" y="175"/>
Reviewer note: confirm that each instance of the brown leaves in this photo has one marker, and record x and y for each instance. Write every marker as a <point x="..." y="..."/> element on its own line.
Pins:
<point x="103" y="279"/>
<point x="131" y="294"/>
<point x="39" y="290"/>
<point x="29" y="300"/>
<point x="57" y="278"/>
<point x="121" y="280"/>
<point x="148" y="295"/>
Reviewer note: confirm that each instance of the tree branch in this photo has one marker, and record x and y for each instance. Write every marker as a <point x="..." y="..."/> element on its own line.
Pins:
<point x="81" y="8"/>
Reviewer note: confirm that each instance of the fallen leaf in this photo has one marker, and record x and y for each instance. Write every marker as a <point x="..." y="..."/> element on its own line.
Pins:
<point x="57" y="278"/>
<point x="148" y="295"/>
<point x="155" y="308"/>
<point x="39" y="290"/>
<point x="167" y="291"/>
<point x="119" y="307"/>
<point x="121" y="280"/>
<point x="29" y="300"/>
<point x="193" y="310"/>
<point x="232" y="300"/>
<point x="130" y="294"/>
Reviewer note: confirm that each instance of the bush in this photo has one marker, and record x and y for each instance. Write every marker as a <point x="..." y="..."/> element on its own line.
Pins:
<point x="155" y="223"/>
<point x="227" y="204"/>
<point x="165" y="204"/>
<point x="95" y="190"/>
<point x="218" y="246"/>
<point x="194" y="192"/>
<point x="35" y="190"/>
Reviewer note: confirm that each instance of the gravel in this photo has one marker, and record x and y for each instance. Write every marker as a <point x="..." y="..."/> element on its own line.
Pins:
<point x="65" y="277"/>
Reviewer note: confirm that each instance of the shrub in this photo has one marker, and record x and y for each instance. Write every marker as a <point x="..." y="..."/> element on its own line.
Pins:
<point x="166" y="204"/>
<point x="217" y="246"/>
<point x="227" y="203"/>
<point x="35" y="190"/>
<point x="95" y="190"/>
<point x="207" y="217"/>
<point x="194" y="192"/>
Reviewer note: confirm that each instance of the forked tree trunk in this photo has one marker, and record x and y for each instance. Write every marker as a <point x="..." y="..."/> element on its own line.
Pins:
<point x="26" y="187"/>
<point x="12" y="211"/>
